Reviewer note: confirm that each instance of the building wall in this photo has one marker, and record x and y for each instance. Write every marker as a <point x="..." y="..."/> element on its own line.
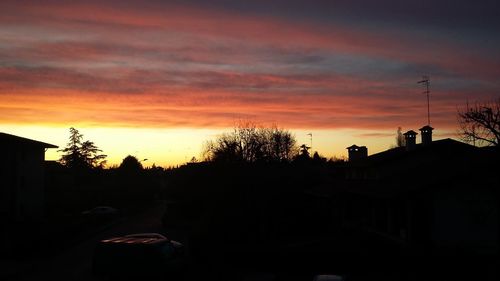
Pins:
<point x="22" y="175"/>
<point x="466" y="220"/>
<point x="8" y="177"/>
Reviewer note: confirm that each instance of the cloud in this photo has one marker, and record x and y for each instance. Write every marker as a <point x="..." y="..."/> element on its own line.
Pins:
<point x="175" y="64"/>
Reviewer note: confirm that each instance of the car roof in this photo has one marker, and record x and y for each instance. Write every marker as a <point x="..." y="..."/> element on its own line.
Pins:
<point x="140" y="238"/>
<point x="132" y="240"/>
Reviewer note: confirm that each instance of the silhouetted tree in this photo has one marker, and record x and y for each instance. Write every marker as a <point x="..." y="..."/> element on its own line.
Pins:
<point x="400" y="138"/>
<point x="90" y="153"/>
<point x="280" y="145"/>
<point x="337" y="159"/>
<point x="481" y="123"/>
<point x="130" y="164"/>
<point x="223" y="149"/>
<point x="304" y="150"/>
<point x="250" y="143"/>
<point x="81" y="154"/>
<point x="304" y="155"/>
<point x="318" y="159"/>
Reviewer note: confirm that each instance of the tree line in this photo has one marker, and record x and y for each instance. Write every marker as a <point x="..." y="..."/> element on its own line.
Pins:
<point x="251" y="143"/>
<point x="80" y="154"/>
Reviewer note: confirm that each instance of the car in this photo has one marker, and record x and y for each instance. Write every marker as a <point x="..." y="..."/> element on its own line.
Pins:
<point x="141" y="254"/>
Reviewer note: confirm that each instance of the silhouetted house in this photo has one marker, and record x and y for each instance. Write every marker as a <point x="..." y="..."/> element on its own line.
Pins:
<point x="22" y="178"/>
<point x="357" y="152"/>
<point x="437" y="196"/>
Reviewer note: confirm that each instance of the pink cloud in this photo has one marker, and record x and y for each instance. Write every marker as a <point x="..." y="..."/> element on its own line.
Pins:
<point x="182" y="66"/>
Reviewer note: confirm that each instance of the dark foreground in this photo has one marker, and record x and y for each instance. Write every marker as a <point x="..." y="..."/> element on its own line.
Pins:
<point x="354" y="256"/>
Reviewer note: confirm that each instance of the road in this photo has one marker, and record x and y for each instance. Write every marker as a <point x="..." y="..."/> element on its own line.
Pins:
<point x="74" y="263"/>
<point x="292" y="263"/>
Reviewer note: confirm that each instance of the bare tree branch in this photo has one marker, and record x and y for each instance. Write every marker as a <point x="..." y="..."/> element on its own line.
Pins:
<point x="480" y="124"/>
<point x="251" y="143"/>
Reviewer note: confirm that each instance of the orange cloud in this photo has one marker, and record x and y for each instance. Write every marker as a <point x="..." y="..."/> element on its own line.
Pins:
<point x="181" y="66"/>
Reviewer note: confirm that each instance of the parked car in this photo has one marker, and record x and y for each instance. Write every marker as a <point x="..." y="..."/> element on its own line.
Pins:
<point x="144" y="254"/>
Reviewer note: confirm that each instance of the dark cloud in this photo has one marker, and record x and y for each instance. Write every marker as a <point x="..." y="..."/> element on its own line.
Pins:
<point x="450" y="13"/>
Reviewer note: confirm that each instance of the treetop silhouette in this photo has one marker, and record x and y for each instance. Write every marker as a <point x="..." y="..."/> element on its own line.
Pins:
<point x="80" y="154"/>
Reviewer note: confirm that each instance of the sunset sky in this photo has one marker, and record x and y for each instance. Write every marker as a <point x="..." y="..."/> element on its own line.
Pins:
<point x="156" y="79"/>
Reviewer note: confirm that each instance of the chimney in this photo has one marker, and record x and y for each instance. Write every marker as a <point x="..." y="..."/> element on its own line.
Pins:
<point x="410" y="139"/>
<point x="357" y="152"/>
<point x="426" y="133"/>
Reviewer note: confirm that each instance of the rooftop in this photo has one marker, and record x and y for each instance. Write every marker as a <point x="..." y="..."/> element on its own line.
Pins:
<point x="12" y="140"/>
<point x="444" y="146"/>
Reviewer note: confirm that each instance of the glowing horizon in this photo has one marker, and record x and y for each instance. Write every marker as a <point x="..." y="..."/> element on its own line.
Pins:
<point x="188" y="70"/>
<point x="172" y="147"/>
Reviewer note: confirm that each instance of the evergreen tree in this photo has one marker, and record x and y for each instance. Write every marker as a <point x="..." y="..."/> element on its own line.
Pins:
<point x="79" y="154"/>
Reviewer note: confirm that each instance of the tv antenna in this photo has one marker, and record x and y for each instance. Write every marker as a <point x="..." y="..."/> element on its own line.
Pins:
<point x="427" y="82"/>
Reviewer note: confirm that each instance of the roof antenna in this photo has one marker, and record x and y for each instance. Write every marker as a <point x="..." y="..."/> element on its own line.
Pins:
<point x="427" y="82"/>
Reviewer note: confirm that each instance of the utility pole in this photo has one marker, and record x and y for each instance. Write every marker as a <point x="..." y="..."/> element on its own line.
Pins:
<point x="426" y="81"/>
<point x="311" y="135"/>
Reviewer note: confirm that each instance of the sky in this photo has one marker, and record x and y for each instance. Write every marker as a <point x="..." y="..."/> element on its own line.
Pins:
<point x="156" y="79"/>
